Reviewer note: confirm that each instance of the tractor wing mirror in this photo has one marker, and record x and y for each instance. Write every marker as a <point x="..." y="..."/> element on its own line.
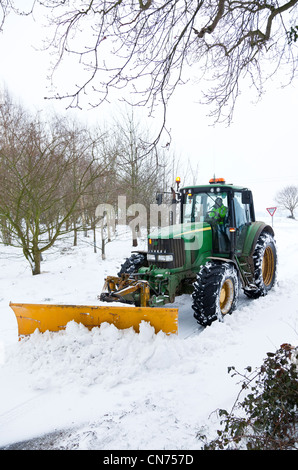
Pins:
<point x="246" y="197"/>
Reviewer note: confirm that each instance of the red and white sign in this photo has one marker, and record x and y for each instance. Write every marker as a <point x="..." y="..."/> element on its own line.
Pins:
<point x="271" y="210"/>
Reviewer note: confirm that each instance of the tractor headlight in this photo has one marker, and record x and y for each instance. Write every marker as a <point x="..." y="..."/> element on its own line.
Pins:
<point x="165" y="258"/>
<point x="150" y="257"/>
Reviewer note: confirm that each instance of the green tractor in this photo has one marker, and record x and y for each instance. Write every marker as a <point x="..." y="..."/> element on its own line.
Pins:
<point x="217" y="247"/>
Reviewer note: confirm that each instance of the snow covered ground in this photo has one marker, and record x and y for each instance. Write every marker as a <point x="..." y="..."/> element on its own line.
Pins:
<point x="112" y="389"/>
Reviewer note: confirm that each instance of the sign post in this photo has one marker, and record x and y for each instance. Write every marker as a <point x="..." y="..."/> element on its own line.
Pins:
<point x="271" y="211"/>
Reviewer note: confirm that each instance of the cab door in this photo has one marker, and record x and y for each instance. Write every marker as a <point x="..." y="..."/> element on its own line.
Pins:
<point x="242" y="221"/>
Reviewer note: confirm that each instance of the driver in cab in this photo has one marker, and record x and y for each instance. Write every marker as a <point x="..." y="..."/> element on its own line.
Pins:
<point x="218" y="212"/>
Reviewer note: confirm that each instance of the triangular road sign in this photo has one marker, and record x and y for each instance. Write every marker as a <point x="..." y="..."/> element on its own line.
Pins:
<point x="271" y="210"/>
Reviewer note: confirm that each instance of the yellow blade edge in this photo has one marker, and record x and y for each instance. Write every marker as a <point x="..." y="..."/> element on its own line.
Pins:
<point x="55" y="317"/>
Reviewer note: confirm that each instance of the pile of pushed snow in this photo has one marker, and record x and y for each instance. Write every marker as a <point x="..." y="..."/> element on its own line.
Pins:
<point x="104" y="355"/>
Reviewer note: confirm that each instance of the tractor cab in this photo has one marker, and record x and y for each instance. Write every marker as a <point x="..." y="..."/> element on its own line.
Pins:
<point x="228" y="209"/>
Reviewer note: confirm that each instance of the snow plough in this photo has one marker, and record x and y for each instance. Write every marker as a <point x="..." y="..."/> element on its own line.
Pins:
<point x="214" y="248"/>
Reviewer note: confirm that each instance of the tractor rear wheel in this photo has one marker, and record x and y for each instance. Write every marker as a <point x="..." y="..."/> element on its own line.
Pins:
<point x="265" y="260"/>
<point x="215" y="292"/>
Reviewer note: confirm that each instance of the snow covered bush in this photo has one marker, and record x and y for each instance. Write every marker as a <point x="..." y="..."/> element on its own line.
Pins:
<point x="268" y="414"/>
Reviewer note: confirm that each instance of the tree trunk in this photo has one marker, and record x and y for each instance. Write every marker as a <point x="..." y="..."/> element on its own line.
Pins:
<point x="94" y="237"/>
<point x="75" y="234"/>
<point x="103" y="245"/>
<point x="134" y="236"/>
<point x="36" y="263"/>
<point x="6" y="236"/>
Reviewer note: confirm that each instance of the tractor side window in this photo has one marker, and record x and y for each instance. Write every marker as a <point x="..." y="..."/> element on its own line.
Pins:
<point x="188" y="208"/>
<point x="242" y="213"/>
<point x="243" y="219"/>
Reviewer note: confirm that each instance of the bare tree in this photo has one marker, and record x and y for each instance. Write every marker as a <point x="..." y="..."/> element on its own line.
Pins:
<point x="36" y="175"/>
<point x="103" y="191"/>
<point x="149" y="46"/>
<point x="140" y="172"/>
<point x="4" y="9"/>
<point x="288" y="199"/>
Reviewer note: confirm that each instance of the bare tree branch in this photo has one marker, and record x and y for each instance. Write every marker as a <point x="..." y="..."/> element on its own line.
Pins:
<point x="147" y="47"/>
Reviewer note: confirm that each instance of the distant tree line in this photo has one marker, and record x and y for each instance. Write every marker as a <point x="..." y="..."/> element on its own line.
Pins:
<point x="55" y="172"/>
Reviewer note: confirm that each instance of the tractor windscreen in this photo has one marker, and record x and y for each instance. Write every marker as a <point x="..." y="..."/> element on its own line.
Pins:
<point x="201" y="207"/>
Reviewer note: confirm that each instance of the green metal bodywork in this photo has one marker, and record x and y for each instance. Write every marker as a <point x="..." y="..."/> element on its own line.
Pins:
<point x="166" y="282"/>
<point x="197" y="239"/>
<point x="252" y="235"/>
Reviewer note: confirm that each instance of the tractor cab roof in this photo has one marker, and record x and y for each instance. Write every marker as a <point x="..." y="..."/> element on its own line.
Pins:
<point x="215" y="184"/>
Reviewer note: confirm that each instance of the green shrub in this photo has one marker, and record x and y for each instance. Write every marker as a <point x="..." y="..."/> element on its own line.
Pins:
<point x="266" y="418"/>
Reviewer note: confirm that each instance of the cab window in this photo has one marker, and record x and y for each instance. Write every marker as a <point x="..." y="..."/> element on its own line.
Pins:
<point x="242" y="212"/>
<point x="197" y="207"/>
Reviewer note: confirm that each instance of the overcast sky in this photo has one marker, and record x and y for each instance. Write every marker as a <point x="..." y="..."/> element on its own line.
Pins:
<point x="258" y="150"/>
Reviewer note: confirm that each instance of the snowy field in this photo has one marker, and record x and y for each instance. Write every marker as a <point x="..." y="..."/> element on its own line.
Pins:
<point x="111" y="389"/>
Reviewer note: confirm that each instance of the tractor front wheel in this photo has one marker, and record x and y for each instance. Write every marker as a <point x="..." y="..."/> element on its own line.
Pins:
<point x="215" y="292"/>
<point x="132" y="264"/>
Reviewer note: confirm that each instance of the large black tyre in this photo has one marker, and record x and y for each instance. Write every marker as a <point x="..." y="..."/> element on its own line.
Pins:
<point x="132" y="264"/>
<point x="215" y="292"/>
<point x="265" y="262"/>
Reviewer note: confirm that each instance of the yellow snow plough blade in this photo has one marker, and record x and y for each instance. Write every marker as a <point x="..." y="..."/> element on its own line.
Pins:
<point x="55" y="317"/>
